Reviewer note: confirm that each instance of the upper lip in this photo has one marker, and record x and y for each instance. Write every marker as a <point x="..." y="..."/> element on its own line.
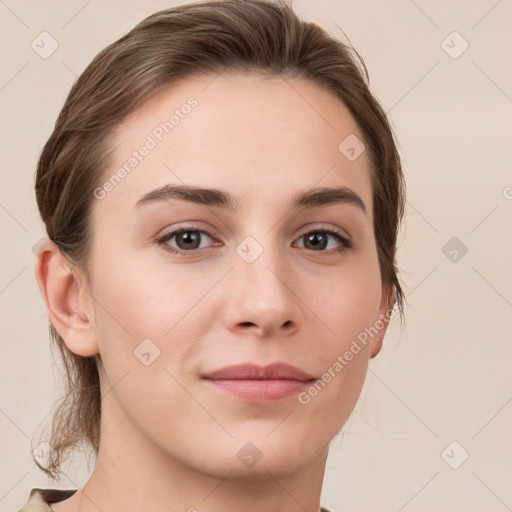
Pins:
<point x="251" y="371"/>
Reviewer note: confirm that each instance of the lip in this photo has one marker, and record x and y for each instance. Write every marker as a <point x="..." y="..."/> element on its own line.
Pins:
<point x="249" y="371"/>
<point x="256" y="383"/>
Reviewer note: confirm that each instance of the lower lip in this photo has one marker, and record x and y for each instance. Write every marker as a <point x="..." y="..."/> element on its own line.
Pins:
<point x="260" y="390"/>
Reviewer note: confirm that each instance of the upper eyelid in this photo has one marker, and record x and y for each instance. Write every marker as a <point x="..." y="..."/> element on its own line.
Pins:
<point x="309" y="229"/>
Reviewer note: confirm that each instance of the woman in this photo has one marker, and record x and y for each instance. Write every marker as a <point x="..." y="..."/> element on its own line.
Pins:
<point x="213" y="377"/>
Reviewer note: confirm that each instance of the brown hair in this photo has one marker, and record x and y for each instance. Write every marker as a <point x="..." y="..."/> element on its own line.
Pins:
<point x="171" y="45"/>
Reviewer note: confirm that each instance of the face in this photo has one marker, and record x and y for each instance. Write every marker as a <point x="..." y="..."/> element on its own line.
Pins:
<point x="262" y="269"/>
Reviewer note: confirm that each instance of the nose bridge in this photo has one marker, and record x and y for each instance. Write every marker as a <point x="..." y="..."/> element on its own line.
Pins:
<point x="264" y="284"/>
<point x="263" y="260"/>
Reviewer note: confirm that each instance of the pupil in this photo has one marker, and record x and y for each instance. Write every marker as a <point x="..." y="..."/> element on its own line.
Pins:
<point x="188" y="237"/>
<point x="313" y="238"/>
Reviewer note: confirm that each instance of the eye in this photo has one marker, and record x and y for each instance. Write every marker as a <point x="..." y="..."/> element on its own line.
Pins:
<point x="318" y="240"/>
<point x="187" y="239"/>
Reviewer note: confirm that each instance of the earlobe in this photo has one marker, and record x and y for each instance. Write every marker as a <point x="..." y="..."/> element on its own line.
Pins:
<point x="69" y="313"/>
<point x="385" y="309"/>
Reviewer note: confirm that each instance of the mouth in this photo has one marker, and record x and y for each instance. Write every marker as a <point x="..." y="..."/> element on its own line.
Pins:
<point x="257" y="383"/>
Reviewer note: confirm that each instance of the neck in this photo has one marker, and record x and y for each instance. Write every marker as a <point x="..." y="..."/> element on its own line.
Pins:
<point x="132" y="474"/>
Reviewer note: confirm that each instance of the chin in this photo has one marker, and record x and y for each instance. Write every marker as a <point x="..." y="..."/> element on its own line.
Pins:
<point x="260" y="459"/>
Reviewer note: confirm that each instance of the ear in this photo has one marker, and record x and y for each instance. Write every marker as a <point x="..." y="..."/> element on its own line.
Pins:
<point x="385" y="310"/>
<point x="68" y="304"/>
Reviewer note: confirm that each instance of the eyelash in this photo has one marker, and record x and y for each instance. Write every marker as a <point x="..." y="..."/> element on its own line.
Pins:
<point x="162" y="240"/>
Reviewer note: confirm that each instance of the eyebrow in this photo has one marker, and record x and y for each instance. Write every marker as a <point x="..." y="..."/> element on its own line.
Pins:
<point x="215" y="197"/>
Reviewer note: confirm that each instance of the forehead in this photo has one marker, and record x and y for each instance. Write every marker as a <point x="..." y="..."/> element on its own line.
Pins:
<point x="244" y="131"/>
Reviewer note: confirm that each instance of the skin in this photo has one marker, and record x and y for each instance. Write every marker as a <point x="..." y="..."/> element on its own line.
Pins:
<point x="169" y="441"/>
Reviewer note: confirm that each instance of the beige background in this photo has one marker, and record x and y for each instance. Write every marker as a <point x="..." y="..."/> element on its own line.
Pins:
<point x="447" y="376"/>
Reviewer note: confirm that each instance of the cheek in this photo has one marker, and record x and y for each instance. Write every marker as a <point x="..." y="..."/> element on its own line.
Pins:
<point x="134" y="296"/>
<point x="145" y="312"/>
<point x="349" y="302"/>
<point x="342" y="351"/>
<point x="348" y="309"/>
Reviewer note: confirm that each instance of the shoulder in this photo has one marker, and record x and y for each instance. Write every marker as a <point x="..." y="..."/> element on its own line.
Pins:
<point x="39" y="499"/>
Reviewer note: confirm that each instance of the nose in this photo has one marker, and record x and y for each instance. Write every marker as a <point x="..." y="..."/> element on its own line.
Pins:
<point x="262" y="299"/>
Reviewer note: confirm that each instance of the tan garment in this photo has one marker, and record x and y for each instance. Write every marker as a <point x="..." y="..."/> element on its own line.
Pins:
<point x="39" y="499"/>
